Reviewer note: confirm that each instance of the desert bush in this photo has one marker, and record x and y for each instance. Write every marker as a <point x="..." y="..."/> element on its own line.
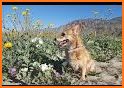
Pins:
<point x="104" y="48"/>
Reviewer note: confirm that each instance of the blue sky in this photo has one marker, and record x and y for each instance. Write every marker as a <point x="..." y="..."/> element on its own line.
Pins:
<point x="62" y="14"/>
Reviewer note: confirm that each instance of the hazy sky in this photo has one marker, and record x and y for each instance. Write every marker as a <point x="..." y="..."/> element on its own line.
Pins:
<point x="62" y="14"/>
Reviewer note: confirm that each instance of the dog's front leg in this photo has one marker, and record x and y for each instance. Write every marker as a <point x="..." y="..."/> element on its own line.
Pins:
<point x="83" y="73"/>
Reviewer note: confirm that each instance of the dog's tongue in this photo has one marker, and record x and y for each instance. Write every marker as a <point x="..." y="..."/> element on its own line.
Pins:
<point x="62" y="42"/>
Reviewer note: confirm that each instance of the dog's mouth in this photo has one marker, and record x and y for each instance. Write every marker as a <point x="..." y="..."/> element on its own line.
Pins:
<point x="63" y="43"/>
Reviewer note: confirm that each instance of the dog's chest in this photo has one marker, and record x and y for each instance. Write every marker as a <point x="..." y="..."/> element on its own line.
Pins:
<point x="75" y="61"/>
<point x="76" y="64"/>
<point x="74" y="56"/>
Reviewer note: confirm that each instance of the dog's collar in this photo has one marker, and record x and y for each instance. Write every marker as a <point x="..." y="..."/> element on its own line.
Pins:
<point x="75" y="49"/>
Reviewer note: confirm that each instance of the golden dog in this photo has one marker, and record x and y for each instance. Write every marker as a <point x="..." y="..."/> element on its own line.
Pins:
<point x="76" y="53"/>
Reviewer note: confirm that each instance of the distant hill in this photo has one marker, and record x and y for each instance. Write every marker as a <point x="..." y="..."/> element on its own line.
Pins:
<point x="100" y="26"/>
<point x="115" y="20"/>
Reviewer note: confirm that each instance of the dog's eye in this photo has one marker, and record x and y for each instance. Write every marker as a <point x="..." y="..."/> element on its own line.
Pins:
<point x="63" y="34"/>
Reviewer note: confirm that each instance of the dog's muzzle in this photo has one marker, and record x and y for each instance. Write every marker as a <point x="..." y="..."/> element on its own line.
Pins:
<point x="61" y="43"/>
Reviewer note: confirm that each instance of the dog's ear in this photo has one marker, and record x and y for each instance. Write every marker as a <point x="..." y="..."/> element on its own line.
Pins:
<point x="76" y="29"/>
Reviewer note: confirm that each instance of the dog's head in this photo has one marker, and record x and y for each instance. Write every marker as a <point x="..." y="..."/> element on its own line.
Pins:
<point x="69" y="36"/>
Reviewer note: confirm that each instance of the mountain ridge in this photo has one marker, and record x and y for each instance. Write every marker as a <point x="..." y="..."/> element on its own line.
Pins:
<point x="110" y="26"/>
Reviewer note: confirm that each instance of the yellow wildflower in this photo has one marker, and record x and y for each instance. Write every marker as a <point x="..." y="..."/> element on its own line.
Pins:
<point x="8" y="45"/>
<point x="25" y="13"/>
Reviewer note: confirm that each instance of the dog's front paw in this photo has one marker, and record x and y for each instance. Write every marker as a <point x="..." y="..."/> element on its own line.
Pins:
<point x="82" y="78"/>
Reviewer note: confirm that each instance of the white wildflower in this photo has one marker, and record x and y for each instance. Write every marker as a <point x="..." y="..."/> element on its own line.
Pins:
<point x="14" y="8"/>
<point x="37" y="45"/>
<point x="34" y="39"/>
<point x="27" y="9"/>
<point x="40" y="41"/>
<point x="50" y="66"/>
<point x="24" y="69"/>
<point x="36" y="64"/>
<point x="90" y="42"/>
<point x="45" y="67"/>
